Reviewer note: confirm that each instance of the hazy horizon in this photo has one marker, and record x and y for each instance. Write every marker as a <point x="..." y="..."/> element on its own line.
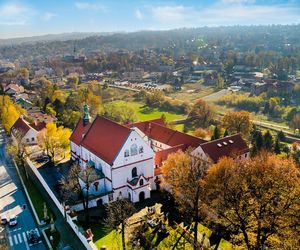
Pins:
<point x="24" y="18"/>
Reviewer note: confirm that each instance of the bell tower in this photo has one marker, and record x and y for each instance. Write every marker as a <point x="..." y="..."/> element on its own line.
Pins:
<point x="86" y="114"/>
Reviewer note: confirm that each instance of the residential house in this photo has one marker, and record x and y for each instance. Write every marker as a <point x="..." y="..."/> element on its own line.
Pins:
<point x="28" y="132"/>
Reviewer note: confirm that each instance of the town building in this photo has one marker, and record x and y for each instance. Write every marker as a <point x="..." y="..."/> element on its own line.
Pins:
<point x="29" y="132"/>
<point x="127" y="160"/>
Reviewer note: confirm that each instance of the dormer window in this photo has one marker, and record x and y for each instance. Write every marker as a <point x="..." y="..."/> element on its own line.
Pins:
<point x="141" y="182"/>
<point x="141" y="149"/>
<point x="126" y="153"/>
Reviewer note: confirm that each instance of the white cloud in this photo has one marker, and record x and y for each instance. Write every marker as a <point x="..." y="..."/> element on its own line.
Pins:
<point x="138" y="14"/>
<point x="48" y="16"/>
<point x="225" y="12"/>
<point x="90" y="6"/>
<point x="238" y="1"/>
<point x="14" y="14"/>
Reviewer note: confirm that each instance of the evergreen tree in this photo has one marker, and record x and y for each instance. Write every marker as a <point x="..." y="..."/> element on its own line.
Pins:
<point x="268" y="141"/>
<point x="281" y="136"/>
<point x="216" y="134"/>
<point x="226" y="133"/>
<point x="258" y="140"/>
<point x="277" y="149"/>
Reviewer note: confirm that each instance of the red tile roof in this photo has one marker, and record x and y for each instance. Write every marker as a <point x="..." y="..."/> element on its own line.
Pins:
<point x="162" y="155"/>
<point x="227" y="146"/>
<point x="21" y="126"/>
<point x="105" y="138"/>
<point x="166" y="135"/>
<point x="38" y="126"/>
<point x="79" y="131"/>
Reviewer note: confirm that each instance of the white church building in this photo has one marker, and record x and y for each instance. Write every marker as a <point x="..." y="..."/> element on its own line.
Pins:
<point x="127" y="160"/>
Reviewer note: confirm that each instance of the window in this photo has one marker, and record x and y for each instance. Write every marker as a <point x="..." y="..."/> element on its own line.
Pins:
<point x="27" y="139"/>
<point x="133" y="149"/>
<point x="134" y="172"/>
<point x="96" y="184"/>
<point x="110" y="197"/>
<point x="141" y="149"/>
<point x="141" y="182"/>
<point x="126" y="153"/>
<point x="32" y="139"/>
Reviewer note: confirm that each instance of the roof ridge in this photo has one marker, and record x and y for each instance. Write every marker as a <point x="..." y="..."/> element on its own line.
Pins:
<point x="220" y="139"/>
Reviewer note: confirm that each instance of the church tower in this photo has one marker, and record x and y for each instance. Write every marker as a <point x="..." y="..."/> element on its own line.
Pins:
<point x="86" y="114"/>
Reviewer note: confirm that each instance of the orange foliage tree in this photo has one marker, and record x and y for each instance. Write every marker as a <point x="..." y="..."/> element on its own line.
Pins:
<point x="182" y="174"/>
<point x="259" y="198"/>
<point x="237" y="122"/>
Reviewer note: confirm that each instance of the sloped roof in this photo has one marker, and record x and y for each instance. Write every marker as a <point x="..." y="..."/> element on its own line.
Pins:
<point x="105" y="138"/>
<point x="227" y="146"/>
<point x="166" y="135"/>
<point x="21" y="126"/>
<point x="162" y="155"/>
<point x="79" y="131"/>
<point x="38" y="126"/>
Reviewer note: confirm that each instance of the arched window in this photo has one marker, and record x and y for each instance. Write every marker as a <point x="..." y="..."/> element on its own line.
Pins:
<point x="141" y="182"/>
<point x="126" y="153"/>
<point x="141" y="149"/>
<point x="134" y="172"/>
<point x="133" y="149"/>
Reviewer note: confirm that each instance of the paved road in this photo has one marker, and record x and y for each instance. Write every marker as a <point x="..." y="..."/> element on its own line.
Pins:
<point x="12" y="199"/>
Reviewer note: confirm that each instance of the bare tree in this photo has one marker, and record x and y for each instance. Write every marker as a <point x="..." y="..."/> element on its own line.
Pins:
<point x="118" y="213"/>
<point x="77" y="185"/>
<point x="17" y="148"/>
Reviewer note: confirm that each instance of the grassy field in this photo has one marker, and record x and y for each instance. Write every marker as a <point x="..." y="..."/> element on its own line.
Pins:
<point x="111" y="240"/>
<point x="145" y="113"/>
<point x="36" y="198"/>
<point x="191" y="92"/>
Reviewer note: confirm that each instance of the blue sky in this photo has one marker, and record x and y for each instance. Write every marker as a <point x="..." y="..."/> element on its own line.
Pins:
<point x="36" y="17"/>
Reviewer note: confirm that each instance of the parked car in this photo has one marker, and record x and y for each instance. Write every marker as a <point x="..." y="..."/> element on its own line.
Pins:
<point x="13" y="220"/>
<point x="3" y="219"/>
<point x="33" y="237"/>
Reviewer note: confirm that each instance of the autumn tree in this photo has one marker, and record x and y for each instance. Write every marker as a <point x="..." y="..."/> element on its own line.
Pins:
<point x="17" y="148"/>
<point x="295" y="122"/>
<point x="202" y="133"/>
<point x="9" y="112"/>
<point x="201" y="114"/>
<point x="258" y="199"/>
<point x="55" y="140"/>
<point x="182" y="174"/>
<point x="73" y="81"/>
<point x="77" y="186"/>
<point x="237" y="122"/>
<point x="118" y="213"/>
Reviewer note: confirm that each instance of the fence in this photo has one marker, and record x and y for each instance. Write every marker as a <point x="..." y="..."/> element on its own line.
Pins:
<point x="59" y="206"/>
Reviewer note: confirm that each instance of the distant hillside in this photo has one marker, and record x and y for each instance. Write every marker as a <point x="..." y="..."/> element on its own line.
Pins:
<point x="49" y="37"/>
<point x="241" y="38"/>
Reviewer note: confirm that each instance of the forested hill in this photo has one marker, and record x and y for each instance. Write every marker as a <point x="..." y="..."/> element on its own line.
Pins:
<point x="279" y="38"/>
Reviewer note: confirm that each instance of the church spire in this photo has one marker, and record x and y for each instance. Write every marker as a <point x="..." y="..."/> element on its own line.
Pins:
<point x="86" y="114"/>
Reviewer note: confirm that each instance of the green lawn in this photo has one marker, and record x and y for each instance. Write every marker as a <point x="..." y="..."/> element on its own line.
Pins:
<point x="111" y="240"/>
<point x="56" y="238"/>
<point x="36" y="198"/>
<point x="145" y="113"/>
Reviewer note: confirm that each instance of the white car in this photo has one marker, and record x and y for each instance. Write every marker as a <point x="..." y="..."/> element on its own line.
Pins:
<point x="13" y="220"/>
<point x="3" y="219"/>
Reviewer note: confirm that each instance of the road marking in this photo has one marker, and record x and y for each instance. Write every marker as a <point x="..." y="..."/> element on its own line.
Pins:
<point x="24" y="237"/>
<point x="10" y="241"/>
<point x="16" y="239"/>
<point x="20" y="238"/>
